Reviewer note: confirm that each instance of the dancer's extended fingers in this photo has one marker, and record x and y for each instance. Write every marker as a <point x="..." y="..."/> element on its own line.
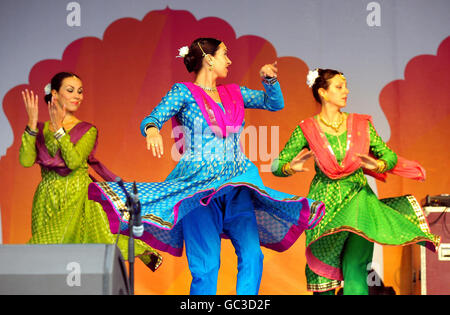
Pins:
<point x="27" y="97"/>
<point x="24" y="98"/>
<point x="158" y="149"/>
<point x="152" y="146"/>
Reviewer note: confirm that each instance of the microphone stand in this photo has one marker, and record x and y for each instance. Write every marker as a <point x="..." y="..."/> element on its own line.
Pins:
<point x="131" y="249"/>
<point x="135" y="212"/>
<point x="130" y="204"/>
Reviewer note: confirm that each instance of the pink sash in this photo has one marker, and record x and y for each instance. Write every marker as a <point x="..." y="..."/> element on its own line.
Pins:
<point x="358" y="142"/>
<point x="221" y="122"/>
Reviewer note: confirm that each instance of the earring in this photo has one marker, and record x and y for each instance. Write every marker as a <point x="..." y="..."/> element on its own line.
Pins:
<point x="211" y="67"/>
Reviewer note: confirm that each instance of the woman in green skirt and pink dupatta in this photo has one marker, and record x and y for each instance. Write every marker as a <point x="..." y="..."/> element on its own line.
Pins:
<point x="64" y="148"/>
<point x="345" y="147"/>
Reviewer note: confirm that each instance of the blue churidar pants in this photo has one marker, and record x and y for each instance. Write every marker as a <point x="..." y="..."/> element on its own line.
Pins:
<point x="233" y="215"/>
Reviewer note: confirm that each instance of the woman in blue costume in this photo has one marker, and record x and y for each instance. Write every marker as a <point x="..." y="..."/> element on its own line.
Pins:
<point x="214" y="191"/>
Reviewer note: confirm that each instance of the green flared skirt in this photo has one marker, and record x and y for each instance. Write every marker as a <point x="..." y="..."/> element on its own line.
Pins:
<point x="352" y="207"/>
<point x="63" y="214"/>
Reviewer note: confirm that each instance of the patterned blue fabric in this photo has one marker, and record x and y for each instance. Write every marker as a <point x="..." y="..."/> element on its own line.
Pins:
<point x="211" y="166"/>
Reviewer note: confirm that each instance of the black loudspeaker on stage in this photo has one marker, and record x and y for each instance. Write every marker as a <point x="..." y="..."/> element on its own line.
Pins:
<point x="67" y="269"/>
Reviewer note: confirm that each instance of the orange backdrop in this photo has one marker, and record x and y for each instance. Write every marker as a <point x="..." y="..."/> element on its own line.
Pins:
<point x="126" y="73"/>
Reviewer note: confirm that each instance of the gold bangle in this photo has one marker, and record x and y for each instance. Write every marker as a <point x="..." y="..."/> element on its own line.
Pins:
<point x="382" y="166"/>
<point x="286" y="169"/>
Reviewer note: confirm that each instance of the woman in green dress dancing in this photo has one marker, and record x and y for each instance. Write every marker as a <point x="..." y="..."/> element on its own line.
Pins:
<point x="64" y="147"/>
<point x="345" y="147"/>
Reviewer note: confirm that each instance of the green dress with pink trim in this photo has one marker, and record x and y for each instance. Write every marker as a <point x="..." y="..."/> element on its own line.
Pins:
<point x="352" y="207"/>
<point x="61" y="212"/>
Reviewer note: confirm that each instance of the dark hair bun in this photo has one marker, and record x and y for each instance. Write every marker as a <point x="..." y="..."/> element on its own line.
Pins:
<point x="190" y="62"/>
<point x="48" y="98"/>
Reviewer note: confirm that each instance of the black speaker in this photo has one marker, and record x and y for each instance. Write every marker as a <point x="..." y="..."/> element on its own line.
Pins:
<point x="62" y="269"/>
<point x="435" y="267"/>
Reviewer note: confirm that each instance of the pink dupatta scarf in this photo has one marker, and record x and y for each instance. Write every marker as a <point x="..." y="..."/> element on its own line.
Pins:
<point x="57" y="163"/>
<point x="221" y="122"/>
<point x="358" y="142"/>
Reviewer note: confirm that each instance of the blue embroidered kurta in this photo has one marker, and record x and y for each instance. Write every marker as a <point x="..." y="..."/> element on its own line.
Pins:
<point x="210" y="167"/>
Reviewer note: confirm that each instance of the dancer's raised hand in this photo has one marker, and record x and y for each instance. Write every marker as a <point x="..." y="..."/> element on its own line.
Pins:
<point x="31" y="105"/>
<point x="57" y="113"/>
<point x="269" y="70"/>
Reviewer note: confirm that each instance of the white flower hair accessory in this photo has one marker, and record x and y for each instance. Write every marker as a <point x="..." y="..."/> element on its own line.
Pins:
<point x="311" y="77"/>
<point x="48" y="89"/>
<point x="183" y="51"/>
